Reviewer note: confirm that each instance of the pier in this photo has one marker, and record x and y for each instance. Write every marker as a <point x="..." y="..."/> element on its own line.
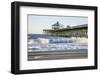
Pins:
<point x="74" y="31"/>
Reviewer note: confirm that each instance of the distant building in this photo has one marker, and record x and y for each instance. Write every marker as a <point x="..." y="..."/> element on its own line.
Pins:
<point x="57" y="26"/>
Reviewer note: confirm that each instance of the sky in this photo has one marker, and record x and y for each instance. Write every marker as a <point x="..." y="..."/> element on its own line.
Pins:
<point x="36" y="23"/>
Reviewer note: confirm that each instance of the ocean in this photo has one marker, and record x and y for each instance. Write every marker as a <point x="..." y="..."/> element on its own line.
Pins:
<point x="43" y="42"/>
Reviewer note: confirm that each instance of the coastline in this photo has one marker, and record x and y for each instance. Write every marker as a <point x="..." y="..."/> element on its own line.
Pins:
<point x="47" y="55"/>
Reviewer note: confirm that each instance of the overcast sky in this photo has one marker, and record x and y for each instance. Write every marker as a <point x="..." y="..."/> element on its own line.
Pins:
<point x="36" y="23"/>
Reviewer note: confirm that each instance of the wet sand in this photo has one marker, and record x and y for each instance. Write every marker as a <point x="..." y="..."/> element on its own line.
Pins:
<point x="48" y="55"/>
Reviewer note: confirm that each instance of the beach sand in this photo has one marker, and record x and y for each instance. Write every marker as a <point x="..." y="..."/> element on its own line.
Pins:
<point x="57" y="55"/>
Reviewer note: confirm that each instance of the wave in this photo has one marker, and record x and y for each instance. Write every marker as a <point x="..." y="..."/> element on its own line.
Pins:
<point x="41" y="42"/>
<point x="48" y="38"/>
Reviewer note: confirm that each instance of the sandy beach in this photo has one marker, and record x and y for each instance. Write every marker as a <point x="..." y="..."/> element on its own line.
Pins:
<point x="69" y="54"/>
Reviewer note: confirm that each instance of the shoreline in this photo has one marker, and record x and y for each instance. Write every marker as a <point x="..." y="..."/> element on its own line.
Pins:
<point x="57" y="55"/>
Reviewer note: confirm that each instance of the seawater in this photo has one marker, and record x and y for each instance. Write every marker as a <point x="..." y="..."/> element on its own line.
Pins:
<point x="42" y="42"/>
